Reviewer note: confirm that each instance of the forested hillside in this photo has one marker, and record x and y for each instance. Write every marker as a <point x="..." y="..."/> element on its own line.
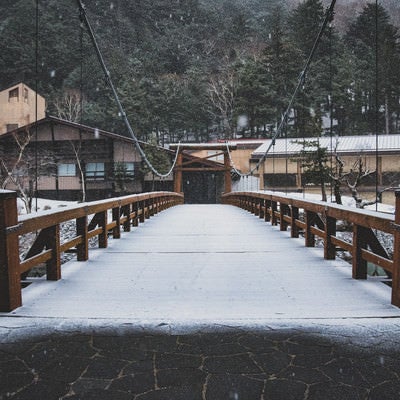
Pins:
<point x="191" y="69"/>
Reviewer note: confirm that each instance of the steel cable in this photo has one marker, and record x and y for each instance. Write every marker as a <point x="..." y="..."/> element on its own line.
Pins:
<point x="328" y="18"/>
<point x="107" y="75"/>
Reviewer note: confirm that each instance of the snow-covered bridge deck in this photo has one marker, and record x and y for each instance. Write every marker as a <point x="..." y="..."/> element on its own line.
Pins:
<point x="211" y="264"/>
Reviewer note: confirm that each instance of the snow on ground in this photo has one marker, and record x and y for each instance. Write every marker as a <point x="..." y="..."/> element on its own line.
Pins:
<point x="39" y="205"/>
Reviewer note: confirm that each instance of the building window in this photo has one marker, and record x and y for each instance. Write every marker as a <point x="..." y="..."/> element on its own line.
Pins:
<point x="66" y="170"/>
<point x="95" y="171"/>
<point x="26" y="94"/>
<point x="13" y="94"/>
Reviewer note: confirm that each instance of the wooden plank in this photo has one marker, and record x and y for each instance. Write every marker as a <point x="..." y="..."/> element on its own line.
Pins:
<point x="71" y="244"/>
<point x="95" y="232"/>
<point x="29" y="263"/>
<point x="342" y="244"/>
<point x="317" y="232"/>
<point x="385" y="263"/>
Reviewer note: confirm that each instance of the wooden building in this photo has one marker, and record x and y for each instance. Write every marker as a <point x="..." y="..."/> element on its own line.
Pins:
<point x="282" y="168"/>
<point x="62" y="160"/>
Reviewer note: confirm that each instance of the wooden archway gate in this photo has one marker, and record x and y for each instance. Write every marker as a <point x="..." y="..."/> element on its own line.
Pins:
<point x="222" y="149"/>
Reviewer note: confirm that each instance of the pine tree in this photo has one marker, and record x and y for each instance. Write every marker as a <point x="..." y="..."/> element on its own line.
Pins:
<point x="374" y="43"/>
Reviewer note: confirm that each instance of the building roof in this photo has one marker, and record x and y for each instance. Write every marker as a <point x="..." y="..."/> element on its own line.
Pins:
<point x="342" y="145"/>
<point x="75" y="125"/>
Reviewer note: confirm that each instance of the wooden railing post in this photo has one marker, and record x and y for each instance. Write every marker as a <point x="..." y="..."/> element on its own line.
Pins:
<point x="330" y="230"/>
<point x="10" y="284"/>
<point x="116" y="216"/>
<point x="359" y="243"/>
<point x="135" y="210"/>
<point x="396" y="254"/>
<point x="261" y="213"/>
<point x="103" y="236"/>
<point x="283" y="211"/>
<point x="309" y="237"/>
<point x="142" y="210"/>
<point x="294" y="215"/>
<point x="274" y="208"/>
<point x="126" y="210"/>
<point x="257" y="207"/>
<point x="82" y="230"/>
<point x="53" y="266"/>
<point x="267" y="211"/>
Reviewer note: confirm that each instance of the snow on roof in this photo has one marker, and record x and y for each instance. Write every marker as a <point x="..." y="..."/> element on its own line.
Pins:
<point x="343" y="144"/>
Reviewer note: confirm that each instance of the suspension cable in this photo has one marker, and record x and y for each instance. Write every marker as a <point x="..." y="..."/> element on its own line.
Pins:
<point x="302" y="76"/>
<point x="36" y="101"/>
<point x="85" y="20"/>
<point x="376" y="106"/>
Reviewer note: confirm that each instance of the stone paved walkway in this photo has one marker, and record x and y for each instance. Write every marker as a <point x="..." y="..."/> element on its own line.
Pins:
<point x="238" y="365"/>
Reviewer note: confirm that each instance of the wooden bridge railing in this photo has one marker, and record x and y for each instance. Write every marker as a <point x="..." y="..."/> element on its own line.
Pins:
<point x="313" y="218"/>
<point x="99" y="218"/>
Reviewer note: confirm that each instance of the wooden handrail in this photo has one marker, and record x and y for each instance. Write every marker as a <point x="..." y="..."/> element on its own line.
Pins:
<point x="92" y="219"/>
<point x="320" y="219"/>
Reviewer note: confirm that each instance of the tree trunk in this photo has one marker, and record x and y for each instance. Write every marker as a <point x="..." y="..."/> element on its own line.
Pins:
<point x="323" y="191"/>
<point x="337" y="192"/>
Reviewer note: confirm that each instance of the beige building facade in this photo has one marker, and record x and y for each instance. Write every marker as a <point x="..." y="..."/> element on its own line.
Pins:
<point x="20" y="106"/>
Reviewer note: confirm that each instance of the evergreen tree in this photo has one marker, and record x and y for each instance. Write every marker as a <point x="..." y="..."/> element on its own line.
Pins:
<point x="314" y="161"/>
<point x="304" y="25"/>
<point x="374" y="42"/>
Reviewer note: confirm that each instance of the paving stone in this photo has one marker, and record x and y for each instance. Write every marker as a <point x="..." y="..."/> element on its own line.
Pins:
<point x="333" y="391"/>
<point x="234" y="364"/>
<point x="388" y="391"/>
<point x="98" y="394"/>
<point x="372" y="373"/>
<point x="139" y="366"/>
<point x="41" y="390"/>
<point x="306" y="375"/>
<point x="177" y="361"/>
<point x="184" y="393"/>
<point x="343" y="371"/>
<point x="83" y="385"/>
<point x="312" y="360"/>
<point x="120" y="347"/>
<point x="294" y="348"/>
<point x="233" y="387"/>
<point x="258" y="344"/>
<point x="68" y="370"/>
<point x="181" y="378"/>
<point x="140" y="382"/>
<point x="11" y="382"/>
<point x="104" y="368"/>
<point x="212" y="344"/>
<point x="273" y="362"/>
<point x="292" y="390"/>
